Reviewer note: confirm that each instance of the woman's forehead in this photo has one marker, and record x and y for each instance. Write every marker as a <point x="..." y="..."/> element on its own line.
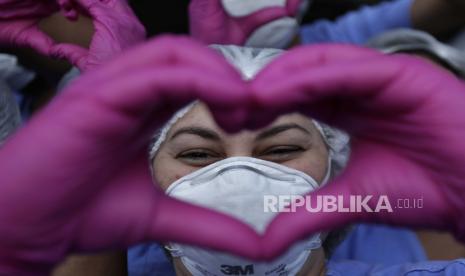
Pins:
<point x="201" y="116"/>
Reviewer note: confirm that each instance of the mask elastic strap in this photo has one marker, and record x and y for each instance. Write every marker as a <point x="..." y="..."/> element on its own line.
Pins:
<point x="328" y="169"/>
<point x="314" y="243"/>
<point x="174" y="250"/>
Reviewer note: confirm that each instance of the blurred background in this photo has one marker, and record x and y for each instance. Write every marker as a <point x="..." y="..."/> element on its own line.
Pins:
<point x="153" y="13"/>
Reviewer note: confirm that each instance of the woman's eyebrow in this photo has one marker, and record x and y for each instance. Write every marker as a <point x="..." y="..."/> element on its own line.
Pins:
<point x="272" y="131"/>
<point x="199" y="131"/>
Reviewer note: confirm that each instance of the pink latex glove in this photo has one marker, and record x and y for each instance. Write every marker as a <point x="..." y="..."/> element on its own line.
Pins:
<point x="211" y="23"/>
<point x="407" y="121"/>
<point x="116" y="29"/>
<point x="76" y="177"/>
<point x="19" y="19"/>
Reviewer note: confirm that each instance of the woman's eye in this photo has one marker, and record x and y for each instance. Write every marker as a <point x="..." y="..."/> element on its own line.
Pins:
<point x="282" y="150"/>
<point x="198" y="157"/>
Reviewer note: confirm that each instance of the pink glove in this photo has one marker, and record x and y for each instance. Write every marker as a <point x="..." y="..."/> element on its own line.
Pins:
<point x="116" y="29"/>
<point x="407" y="121"/>
<point x="18" y="23"/>
<point x="241" y="22"/>
<point x="76" y="177"/>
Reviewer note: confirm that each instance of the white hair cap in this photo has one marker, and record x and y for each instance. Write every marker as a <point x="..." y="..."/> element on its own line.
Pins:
<point x="407" y="40"/>
<point x="12" y="78"/>
<point x="249" y="61"/>
<point x="9" y="112"/>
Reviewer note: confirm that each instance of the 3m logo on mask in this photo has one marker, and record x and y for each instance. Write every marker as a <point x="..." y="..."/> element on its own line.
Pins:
<point x="237" y="269"/>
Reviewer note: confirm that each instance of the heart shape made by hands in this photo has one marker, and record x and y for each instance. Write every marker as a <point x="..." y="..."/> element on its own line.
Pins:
<point x="116" y="28"/>
<point x="19" y="23"/>
<point x="76" y="177"/>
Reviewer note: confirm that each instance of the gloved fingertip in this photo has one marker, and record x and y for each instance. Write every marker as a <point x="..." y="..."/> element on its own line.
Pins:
<point x="38" y="41"/>
<point x="71" y="14"/>
<point x="75" y="58"/>
<point x="57" y="52"/>
<point x="231" y="121"/>
<point x="260" y="120"/>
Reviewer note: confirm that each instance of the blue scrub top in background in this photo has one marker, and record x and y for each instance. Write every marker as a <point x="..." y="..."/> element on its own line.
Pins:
<point x="367" y="250"/>
<point x="148" y="260"/>
<point x="357" y="27"/>
<point x="431" y="268"/>
<point x="377" y="244"/>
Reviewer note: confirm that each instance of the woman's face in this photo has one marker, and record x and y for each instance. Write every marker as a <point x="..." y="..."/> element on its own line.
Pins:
<point x="196" y="141"/>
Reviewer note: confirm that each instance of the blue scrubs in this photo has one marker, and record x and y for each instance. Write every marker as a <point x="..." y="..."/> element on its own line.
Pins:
<point x="379" y="244"/>
<point x="148" y="260"/>
<point x="367" y="250"/>
<point x="357" y="27"/>
<point x="436" y="268"/>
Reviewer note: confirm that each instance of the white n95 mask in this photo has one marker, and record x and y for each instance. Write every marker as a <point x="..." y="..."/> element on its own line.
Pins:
<point x="237" y="187"/>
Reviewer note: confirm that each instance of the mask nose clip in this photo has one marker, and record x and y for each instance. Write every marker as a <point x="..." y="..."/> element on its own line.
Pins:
<point x="279" y="177"/>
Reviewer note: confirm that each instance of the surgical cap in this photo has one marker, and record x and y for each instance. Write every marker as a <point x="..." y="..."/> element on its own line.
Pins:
<point x="9" y="114"/>
<point x="407" y="40"/>
<point x="12" y="78"/>
<point x="249" y="61"/>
